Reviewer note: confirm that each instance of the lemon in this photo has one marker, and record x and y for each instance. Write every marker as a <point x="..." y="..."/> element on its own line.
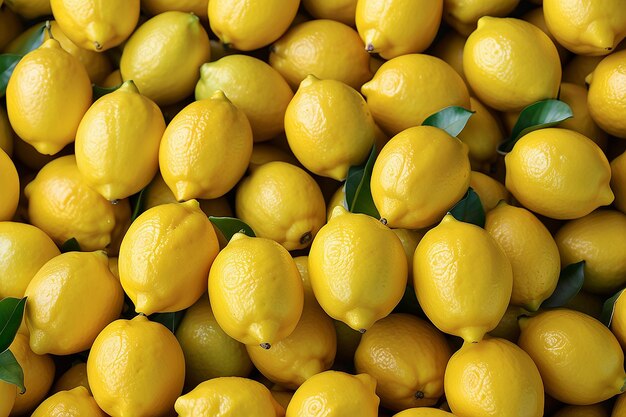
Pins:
<point x="407" y="89"/>
<point x="595" y="410"/>
<point x="262" y="153"/>
<point x="532" y="251"/>
<point x="205" y="149"/>
<point x="575" y="96"/>
<point x="418" y="176"/>
<point x="337" y="199"/>
<point x="140" y="359"/>
<point x="510" y="63"/>
<point x="606" y="101"/>
<point x="9" y="187"/>
<point x="579" y="359"/>
<point x="307" y="351"/>
<point x="251" y="85"/>
<point x="493" y="377"/>
<point x="482" y="134"/>
<point x="302" y="263"/>
<point x="398" y="27"/>
<point x="407" y="356"/>
<point x="462" y="15"/>
<point x="155" y="7"/>
<point x="357" y="268"/>
<point x="169" y="240"/>
<point x="598" y="239"/>
<point x="328" y="117"/>
<point x="229" y="397"/>
<point x="535" y="16"/>
<point x="558" y="173"/>
<point x="444" y="259"/>
<point x="30" y="9"/>
<point x="117" y="143"/>
<point x="579" y="67"/>
<point x="6" y="131"/>
<point x="586" y="27"/>
<point x="409" y="240"/>
<point x="449" y="48"/>
<point x="8" y="392"/>
<point x="618" y="181"/>
<point x="209" y="352"/>
<point x="163" y="56"/>
<point x="423" y="412"/>
<point x="335" y="394"/>
<point x="75" y="403"/>
<point x="252" y="24"/>
<point x="74" y="377"/>
<point x="490" y="191"/>
<point x="113" y="79"/>
<point x="47" y="96"/>
<point x="255" y="291"/>
<point x="340" y="10"/>
<point x="11" y="26"/>
<point x="324" y="48"/>
<point x="38" y="375"/>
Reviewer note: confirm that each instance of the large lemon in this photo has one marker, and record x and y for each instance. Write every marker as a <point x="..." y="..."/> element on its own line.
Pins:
<point x="606" y="99"/>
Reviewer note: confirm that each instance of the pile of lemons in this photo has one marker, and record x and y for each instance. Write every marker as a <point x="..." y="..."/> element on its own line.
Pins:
<point x="178" y="207"/>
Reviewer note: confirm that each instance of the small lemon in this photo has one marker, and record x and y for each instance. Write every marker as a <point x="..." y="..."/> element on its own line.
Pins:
<point x="418" y="176"/>
<point x="357" y="268"/>
<point x="337" y="199"/>
<point x="407" y="356"/>
<point x="444" y="259"/>
<point x="262" y="153"/>
<point x="328" y="117"/>
<point x="255" y="291"/>
<point x="155" y="7"/>
<point x="449" y="48"/>
<point x="113" y="79"/>
<point x="510" y="63"/>
<point x="252" y="86"/>
<point x="407" y="89"/>
<point x="335" y="394"/>
<point x="166" y="241"/>
<point x="409" y="240"/>
<point x="205" y="149"/>
<point x="595" y="410"/>
<point x="47" y="96"/>
<point x="558" y="173"/>
<point x="493" y="377"/>
<point x="482" y="134"/>
<point x="6" y="131"/>
<point x="229" y="397"/>
<point x="579" y="67"/>
<point x="30" y="9"/>
<point x="423" y="412"/>
<point x="462" y="15"/>
<point x="490" y="191"/>
<point x="606" y="101"/>
<point x="74" y="377"/>
<point x="340" y="10"/>
<point x="579" y="359"/>
<point x="9" y="187"/>
<point x="74" y="403"/>
<point x="8" y="392"/>
<point x="11" y="26"/>
<point x="163" y="56"/>
<point x="575" y="96"/>
<point x="324" y="48"/>
<point x="140" y="359"/>
<point x="618" y="181"/>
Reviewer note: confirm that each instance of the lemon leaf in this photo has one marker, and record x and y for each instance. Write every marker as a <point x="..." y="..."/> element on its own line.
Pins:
<point x="469" y="209"/>
<point x="139" y="203"/>
<point x="11" y="371"/>
<point x="11" y="313"/>
<point x="358" y="192"/>
<point x="570" y="282"/>
<point x="102" y="91"/>
<point x="70" y="245"/>
<point x="609" y="308"/>
<point x="231" y="225"/>
<point x="7" y="65"/>
<point x="169" y="320"/>
<point x="452" y="119"/>
<point x="34" y="41"/>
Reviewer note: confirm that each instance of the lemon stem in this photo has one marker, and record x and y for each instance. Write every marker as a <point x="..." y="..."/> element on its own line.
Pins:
<point x="266" y="346"/>
<point x="48" y="28"/>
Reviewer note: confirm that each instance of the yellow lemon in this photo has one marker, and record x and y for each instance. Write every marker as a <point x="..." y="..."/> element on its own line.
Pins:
<point x="302" y="263"/>
<point x="579" y="359"/>
<point x="407" y="356"/>
<point x="166" y="241"/>
<point x="30" y="9"/>
<point x="576" y="97"/>
<point x="450" y="49"/>
<point x="324" y="48"/>
<point x="113" y="79"/>
<point x="163" y="56"/>
<point x="409" y="240"/>
<point x="462" y="15"/>
<point x="8" y="392"/>
<point x="618" y="181"/>
<point x="328" y="117"/>
<point x="205" y="149"/>
<point x="482" y="134"/>
<point x="9" y="187"/>
<point x="140" y="359"/>
<point x="535" y="16"/>
<point x="532" y="251"/>
<point x="337" y="199"/>
<point x="6" y="131"/>
<point x="423" y="412"/>
<point x="47" y="96"/>
<point x="262" y="153"/>
<point x="255" y="291"/>
<point x="586" y="27"/>
<point x="281" y="202"/>
<point x="606" y="101"/>
<point x="209" y="352"/>
<point x="11" y="26"/>
<point x="251" y="85"/>
<point x="340" y="10"/>
<point x="444" y="259"/>
<point x="493" y="377"/>
<point x="510" y="63"/>
<point x="61" y="203"/>
<point x="229" y="397"/>
<point x="74" y="377"/>
<point x="558" y="173"/>
<point x="357" y="268"/>
<point x="155" y="7"/>
<point x="75" y="403"/>
<point x="595" y="410"/>
<point x="251" y="24"/>
<point x="117" y="143"/>
<point x="490" y="191"/>
<point x="398" y="27"/>
<point x="598" y="239"/>
<point x="418" y="176"/>
<point x="407" y="89"/>
<point x="335" y="394"/>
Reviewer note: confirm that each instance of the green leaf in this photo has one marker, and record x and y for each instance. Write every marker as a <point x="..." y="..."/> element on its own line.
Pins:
<point x="169" y="320"/>
<point x="358" y="193"/>
<point x="11" y="313"/>
<point x="570" y="282"/>
<point x="469" y="209"/>
<point x="70" y="245"/>
<point x="230" y="225"/>
<point x="608" y="309"/>
<point x="34" y="41"/>
<point x="103" y="91"/>
<point x="452" y="119"/>
<point x="11" y="371"/>
<point x="539" y="115"/>
<point x="139" y="204"/>
<point x="7" y="65"/>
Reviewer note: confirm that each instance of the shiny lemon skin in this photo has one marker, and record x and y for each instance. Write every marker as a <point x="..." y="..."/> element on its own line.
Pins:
<point x="9" y="187"/>
<point x="605" y="100"/>
<point x="75" y="403"/>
